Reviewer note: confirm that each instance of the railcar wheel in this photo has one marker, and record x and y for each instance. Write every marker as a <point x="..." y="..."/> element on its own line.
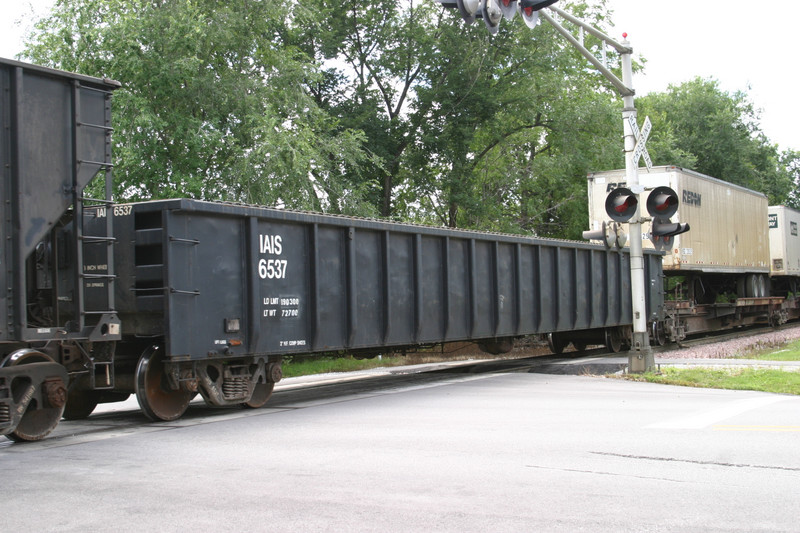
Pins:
<point x="613" y="340"/>
<point x="261" y="394"/>
<point x="156" y="398"/>
<point x="38" y="420"/>
<point x="556" y="343"/>
<point x="751" y="286"/>
<point x="80" y="404"/>
<point x="659" y="334"/>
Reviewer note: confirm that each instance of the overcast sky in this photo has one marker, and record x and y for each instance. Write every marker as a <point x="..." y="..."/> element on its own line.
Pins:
<point x="745" y="48"/>
<point x="728" y="40"/>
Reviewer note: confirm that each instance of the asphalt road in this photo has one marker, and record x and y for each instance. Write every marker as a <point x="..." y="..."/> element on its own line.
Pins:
<point x="457" y="450"/>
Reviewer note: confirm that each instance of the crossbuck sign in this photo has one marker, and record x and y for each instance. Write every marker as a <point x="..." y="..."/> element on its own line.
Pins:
<point x="641" y="140"/>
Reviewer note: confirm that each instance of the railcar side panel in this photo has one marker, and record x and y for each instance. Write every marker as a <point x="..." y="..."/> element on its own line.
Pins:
<point x="54" y="138"/>
<point x="223" y="281"/>
<point x="784" y="241"/>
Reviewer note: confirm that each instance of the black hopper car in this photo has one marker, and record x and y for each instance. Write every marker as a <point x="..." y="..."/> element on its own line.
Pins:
<point x="168" y="299"/>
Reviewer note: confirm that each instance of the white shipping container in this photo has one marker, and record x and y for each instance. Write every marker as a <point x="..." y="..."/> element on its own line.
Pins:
<point x="784" y="241"/>
<point x="728" y="223"/>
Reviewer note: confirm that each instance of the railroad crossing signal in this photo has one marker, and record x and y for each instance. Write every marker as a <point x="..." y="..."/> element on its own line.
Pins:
<point x="621" y="204"/>
<point x="662" y="204"/>
<point x="640" y="150"/>
<point x="610" y="234"/>
<point x="493" y="11"/>
<point x="468" y="8"/>
<point x="641" y="357"/>
<point x="509" y="8"/>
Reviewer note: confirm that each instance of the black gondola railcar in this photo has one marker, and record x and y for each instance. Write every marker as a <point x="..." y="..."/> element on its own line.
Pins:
<point x="167" y="299"/>
<point x="211" y="295"/>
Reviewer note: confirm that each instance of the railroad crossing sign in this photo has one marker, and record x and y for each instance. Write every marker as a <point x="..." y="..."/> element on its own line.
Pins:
<point x="640" y="150"/>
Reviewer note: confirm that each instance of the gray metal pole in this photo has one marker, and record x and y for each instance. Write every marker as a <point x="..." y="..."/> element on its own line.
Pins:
<point x="640" y="357"/>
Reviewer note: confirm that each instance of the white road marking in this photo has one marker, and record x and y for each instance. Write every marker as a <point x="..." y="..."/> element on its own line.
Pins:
<point x="707" y="418"/>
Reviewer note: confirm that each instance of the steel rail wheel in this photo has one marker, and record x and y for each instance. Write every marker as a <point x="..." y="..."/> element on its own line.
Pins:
<point x="80" y="404"/>
<point x="156" y="398"/>
<point x="659" y="335"/>
<point x="261" y="394"/>
<point x="41" y="416"/>
<point x="556" y="343"/>
<point x="613" y="340"/>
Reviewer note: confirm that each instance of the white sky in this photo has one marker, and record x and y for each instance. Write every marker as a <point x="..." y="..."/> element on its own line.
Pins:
<point x="728" y="40"/>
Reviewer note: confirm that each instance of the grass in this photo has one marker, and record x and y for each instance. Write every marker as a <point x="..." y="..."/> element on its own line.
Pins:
<point x="788" y="352"/>
<point x="324" y="365"/>
<point x="766" y="380"/>
<point x="306" y="366"/>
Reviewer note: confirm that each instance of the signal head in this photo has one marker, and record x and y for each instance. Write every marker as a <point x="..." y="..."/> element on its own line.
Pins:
<point x="610" y="234"/>
<point x="536" y="5"/>
<point x="509" y="8"/>
<point x="468" y="9"/>
<point x="621" y="204"/>
<point x="661" y="241"/>
<point x="662" y="202"/>
<point x="663" y="231"/>
<point x="601" y="234"/>
<point x="492" y="15"/>
<point x="529" y="10"/>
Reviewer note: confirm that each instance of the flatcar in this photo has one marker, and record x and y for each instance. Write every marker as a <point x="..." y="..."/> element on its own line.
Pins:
<point x="170" y="299"/>
<point x="738" y="265"/>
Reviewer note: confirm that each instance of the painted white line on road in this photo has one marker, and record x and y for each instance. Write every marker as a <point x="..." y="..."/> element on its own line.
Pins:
<point x="707" y="418"/>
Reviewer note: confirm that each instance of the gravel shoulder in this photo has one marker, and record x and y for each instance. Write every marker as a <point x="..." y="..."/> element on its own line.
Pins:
<point x="737" y="348"/>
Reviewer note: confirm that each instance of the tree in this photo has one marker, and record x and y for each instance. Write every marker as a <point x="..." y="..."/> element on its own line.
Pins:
<point x="702" y="127"/>
<point x="790" y="160"/>
<point x="518" y="144"/>
<point x="398" y="108"/>
<point x="214" y="102"/>
<point x="374" y="58"/>
<point x="465" y="127"/>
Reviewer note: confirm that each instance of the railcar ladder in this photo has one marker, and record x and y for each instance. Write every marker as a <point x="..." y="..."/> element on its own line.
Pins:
<point x="93" y="232"/>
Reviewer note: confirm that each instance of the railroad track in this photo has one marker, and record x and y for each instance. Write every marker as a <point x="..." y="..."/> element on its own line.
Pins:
<point x="111" y="420"/>
<point x="125" y="418"/>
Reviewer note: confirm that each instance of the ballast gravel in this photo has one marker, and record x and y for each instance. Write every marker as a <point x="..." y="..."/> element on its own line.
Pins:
<point x="740" y="347"/>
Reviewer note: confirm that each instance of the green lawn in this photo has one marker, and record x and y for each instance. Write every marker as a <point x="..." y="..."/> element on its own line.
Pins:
<point x="767" y="380"/>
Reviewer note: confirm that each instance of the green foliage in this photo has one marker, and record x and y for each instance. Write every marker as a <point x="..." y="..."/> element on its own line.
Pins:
<point x="327" y="363"/>
<point x="396" y="109"/>
<point x="766" y="380"/>
<point x="468" y="130"/>
<point x="213" y="103"/>
<point x="790" y="160"/>
<point x="324" y="365"/>
<point x="701" y="127"/>
<point x="777" y="381"/>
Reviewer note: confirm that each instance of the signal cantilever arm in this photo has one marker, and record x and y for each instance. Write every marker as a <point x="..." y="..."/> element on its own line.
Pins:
<point x="623" y="89"/>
